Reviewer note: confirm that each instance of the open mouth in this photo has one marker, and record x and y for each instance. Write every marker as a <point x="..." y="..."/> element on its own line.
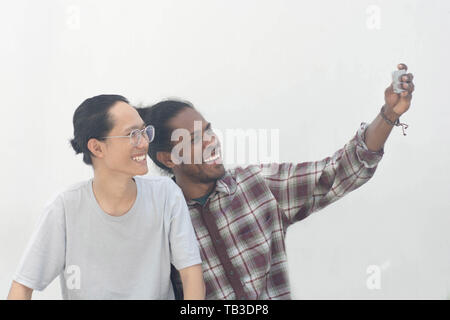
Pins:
<point x="139" y="158"/>
<point x="213" y="158"/>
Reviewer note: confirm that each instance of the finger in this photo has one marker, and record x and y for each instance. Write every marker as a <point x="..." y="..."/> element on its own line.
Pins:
<point x="407" y="85"/>
<point x="410" y="87"/>
<point x="406" y="95"/>
<point x="407" y="77"/>
<point x="389" y="89"/>
<point x="402" y="66"/>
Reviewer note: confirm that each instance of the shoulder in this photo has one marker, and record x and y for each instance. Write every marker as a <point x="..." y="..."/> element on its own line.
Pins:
<point x="240" y="174"/>
<point x="60" y="201"/>
<point x="160" y="184"/>
<point x="264" y="171"/>
<point x="73" y="190"/>
<point x="164" y="193"/>
<point x="155" y="181"/>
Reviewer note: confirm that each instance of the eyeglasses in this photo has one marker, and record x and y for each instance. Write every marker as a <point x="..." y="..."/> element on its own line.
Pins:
<point x="135" y="136"/>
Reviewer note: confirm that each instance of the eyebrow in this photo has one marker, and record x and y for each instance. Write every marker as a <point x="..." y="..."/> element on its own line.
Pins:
<point x="206" y="128"/>
<point x="134" y="127"/>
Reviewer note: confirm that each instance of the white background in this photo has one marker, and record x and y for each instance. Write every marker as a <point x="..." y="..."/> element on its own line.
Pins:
<point x="313" y="69"/>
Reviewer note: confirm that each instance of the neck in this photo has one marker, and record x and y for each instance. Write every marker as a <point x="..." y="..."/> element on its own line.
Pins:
<point x="115" y="193"/>
<point x="192" y="189"/>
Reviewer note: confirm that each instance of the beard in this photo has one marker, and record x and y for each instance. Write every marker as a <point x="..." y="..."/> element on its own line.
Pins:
<point x="204" y="173"/>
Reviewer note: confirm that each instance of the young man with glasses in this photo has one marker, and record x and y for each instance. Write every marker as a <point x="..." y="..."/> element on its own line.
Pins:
<point x="115" y="235"/>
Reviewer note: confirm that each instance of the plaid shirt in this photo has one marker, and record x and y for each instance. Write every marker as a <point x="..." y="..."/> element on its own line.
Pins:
<point x="241" y="229"/>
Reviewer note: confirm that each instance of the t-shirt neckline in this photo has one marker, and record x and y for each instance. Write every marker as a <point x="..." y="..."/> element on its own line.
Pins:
<point x="107" y="216"/>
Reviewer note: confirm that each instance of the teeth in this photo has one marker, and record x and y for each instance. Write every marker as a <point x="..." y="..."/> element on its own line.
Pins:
<point x="213" y="158"/>
<point x="140" y="158"/>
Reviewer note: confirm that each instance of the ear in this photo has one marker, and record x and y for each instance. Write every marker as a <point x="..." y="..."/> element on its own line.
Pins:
<point x="96" y="147"/>
<point x="165" y="158"/>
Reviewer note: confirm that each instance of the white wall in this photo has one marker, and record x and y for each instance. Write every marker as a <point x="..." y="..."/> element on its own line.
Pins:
<point x="313" y="69"/>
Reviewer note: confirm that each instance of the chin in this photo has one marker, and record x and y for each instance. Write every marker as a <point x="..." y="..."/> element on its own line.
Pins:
<point x="221" y="169"/>
<point x="141" y="172"/>
<point x="137" y="172"/>
<point x="139" y="169"/>
<point x="220" y="172"/>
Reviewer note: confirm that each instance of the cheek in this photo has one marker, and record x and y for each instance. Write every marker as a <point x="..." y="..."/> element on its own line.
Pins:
<point x="191" y="169"/>
<point x="188" y="150"/>
<point x="118" y="155"/>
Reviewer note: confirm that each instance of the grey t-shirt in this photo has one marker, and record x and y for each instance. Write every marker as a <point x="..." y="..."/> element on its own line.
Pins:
<point x="99" y="256"/>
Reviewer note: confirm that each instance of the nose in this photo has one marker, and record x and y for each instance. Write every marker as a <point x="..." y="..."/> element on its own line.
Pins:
<point x="143" y="143"/>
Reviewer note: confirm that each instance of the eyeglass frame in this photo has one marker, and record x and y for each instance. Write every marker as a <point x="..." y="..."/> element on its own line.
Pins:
<point x="141" y="134"/>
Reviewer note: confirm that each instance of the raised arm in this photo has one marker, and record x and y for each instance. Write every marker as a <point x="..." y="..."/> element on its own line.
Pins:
<point x="303" y="188"/>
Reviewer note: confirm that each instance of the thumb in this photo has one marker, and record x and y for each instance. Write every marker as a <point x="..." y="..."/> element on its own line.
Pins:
<point x="405" y="96"/>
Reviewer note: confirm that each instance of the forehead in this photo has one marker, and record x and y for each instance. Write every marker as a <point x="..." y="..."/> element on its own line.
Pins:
<point x="185" y="119"/>
<point x="125" y="116"/>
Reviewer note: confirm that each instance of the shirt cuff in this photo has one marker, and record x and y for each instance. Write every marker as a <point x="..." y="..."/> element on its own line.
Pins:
<point x="28" y="283"/>
<point x="369" y="158"/>
<point x="187" y="263"/>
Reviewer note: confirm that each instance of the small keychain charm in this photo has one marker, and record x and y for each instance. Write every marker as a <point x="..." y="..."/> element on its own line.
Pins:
<point x="396" y="75"/>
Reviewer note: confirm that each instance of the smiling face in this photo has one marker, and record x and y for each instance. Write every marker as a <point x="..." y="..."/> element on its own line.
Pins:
<point x="211" y="168"/>
<point x="118" y="155"/>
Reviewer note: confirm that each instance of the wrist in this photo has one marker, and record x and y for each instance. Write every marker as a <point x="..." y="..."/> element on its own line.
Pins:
<point x="390" y="113"/>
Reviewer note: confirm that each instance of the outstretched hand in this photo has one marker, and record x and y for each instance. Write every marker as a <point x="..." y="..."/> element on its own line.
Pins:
<point x="400" y="102"/>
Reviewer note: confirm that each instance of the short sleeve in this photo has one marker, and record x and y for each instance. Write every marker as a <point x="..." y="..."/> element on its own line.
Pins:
<point x="44" y="257"/>
<point x="183" y="242"/>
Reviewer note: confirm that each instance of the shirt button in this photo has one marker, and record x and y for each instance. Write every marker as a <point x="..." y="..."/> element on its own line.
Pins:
<point x="231" y="273"/>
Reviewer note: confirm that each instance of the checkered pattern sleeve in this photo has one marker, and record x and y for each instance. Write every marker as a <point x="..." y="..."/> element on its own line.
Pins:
<point x="303" y="188"/>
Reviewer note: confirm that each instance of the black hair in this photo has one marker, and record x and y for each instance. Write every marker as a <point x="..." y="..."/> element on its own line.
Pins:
<point x="92" y="120"/>
<point x="158" y="116"/>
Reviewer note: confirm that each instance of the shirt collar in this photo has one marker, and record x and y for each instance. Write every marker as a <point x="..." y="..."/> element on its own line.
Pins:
<point x="226" y="185"/>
